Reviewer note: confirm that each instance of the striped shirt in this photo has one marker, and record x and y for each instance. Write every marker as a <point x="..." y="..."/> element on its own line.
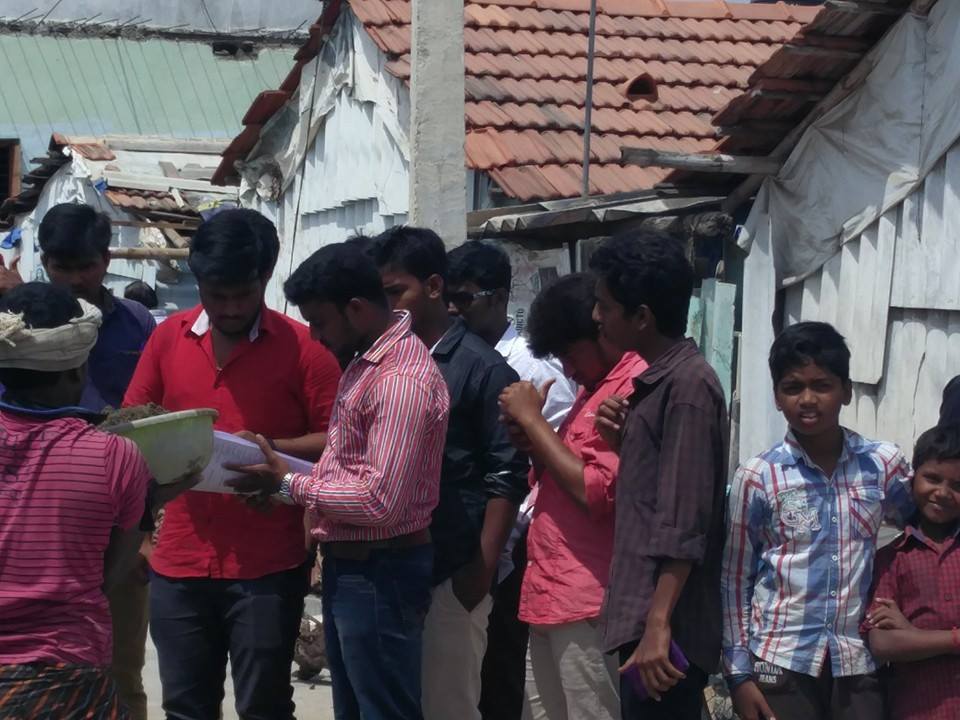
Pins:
<point x="379" y="476"/>
<point x="63" y="487"/>
<point x="798" y="562"/>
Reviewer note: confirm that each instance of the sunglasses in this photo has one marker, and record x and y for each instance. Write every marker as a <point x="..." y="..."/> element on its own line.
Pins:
<point x="466" y="299"/>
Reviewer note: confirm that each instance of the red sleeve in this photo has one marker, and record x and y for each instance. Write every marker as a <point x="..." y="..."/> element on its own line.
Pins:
<point x="146" y="386"/>
<point x="884" y="581"/>
<point x="600" y="465"/>
<point x="128" y="478"/>
<point x="321" y="377"/>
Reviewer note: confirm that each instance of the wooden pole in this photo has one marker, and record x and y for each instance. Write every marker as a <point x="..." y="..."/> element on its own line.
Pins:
<point x="145" y="253"/>
<point x="588" y="104"/>
<point x="707" y="162"/>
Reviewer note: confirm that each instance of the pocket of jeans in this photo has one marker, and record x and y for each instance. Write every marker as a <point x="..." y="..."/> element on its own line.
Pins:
<point x="410" y="586"/>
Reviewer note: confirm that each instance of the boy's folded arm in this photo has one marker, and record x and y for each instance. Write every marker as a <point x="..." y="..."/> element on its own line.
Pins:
<point x="911" y="644"/>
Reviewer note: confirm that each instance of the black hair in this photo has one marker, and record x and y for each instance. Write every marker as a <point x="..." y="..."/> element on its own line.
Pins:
<point x="562" y="314"/>
<point x="336" y="274"/>
<point x="140" y="292"/>
<point x="479" y="262"/>
<point x="806" y="342"/>
<point x="74" y="232"/>
<point x="648" y="268"/>
<point x="938" y="443"/>
<point x="416" y="251"/>
<point x="234" y="247"/>
<point x="362" y="242"/>
<point x="43" y="306"/>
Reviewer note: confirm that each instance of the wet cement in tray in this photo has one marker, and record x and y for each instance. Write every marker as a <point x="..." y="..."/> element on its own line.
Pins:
<point x="129" y="414"/>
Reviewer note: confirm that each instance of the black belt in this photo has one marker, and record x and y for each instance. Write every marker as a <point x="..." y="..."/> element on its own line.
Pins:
<point x="361" y="549"/>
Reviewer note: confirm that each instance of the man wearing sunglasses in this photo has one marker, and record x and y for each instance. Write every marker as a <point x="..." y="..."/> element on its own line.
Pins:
<point x="480" y="277"/>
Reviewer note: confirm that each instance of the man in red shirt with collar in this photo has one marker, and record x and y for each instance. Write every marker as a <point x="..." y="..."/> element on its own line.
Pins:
<point x="229" y="578"/>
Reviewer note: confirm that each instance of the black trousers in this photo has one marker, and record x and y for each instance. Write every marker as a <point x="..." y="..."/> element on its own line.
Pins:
<point x="684" y="701"/>
<point x="196" y="623"/>
<point x="504" y="673"/>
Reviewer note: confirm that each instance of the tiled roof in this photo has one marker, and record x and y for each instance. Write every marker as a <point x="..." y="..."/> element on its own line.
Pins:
<point x="143" y="182"/>
<point x="526" y="81"/>
<point x="784" y="89"/>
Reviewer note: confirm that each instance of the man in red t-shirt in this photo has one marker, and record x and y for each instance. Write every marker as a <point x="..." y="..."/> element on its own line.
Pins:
<point x="229" y="578"/>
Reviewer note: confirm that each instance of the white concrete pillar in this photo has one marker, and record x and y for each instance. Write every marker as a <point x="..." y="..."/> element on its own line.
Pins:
<point x="437" y="166"/>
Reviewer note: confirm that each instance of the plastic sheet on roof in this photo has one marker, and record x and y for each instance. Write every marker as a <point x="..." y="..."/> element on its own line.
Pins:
<point x="870" y="151"/>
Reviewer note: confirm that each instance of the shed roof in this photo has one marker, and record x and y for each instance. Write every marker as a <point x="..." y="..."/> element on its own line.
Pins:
<point x="155" y="178"/>
<point x="93" y="86"/>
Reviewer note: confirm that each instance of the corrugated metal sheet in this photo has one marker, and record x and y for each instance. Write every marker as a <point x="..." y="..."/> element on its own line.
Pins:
<point x="220" y="15"/>
<point x="354" y="160"/>
<point x="102" y="86"/>
<point x="927" y="269"/>
<point x="894" y="292"/>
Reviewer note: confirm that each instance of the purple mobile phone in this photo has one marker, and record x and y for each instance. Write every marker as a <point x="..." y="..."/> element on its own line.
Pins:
<point x="632" y="673"/>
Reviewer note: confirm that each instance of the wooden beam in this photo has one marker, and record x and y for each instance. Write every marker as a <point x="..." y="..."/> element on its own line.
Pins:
<point x="707" y="162"/>
<point x="178" y="240"/>
<point x="157" y="144"/>
<point x="145" y="253"/>
<point x="866" y="7"/>
<point x="152" y="182"/>
<point x="790" y="95"/>
<point x="824" y="52"/>
<point x="149" y="223"/>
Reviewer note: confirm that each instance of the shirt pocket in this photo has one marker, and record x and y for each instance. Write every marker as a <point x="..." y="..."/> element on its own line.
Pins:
<point x="866" y="510"/>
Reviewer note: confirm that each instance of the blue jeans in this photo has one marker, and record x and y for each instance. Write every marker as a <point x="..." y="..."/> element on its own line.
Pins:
<point x="373" y="613"/>
<point x="196" y="622"/>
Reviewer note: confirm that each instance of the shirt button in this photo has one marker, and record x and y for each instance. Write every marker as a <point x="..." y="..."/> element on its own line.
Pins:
<point x="833" y="519"/>
<point x="833" y="593"/>
<point x="836" y="558"/>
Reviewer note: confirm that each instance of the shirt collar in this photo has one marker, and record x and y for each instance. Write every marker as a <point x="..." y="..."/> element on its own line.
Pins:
<point x="201" y="324"/>
<point x="852" y="444"/>
<point x="399" y="329"/>
<point x="510" y="336"/>
<point x="451" y="338"/>
<point x="912" y="530"/>
<point x="629" y="365"/>
<point x="680" y="352"/>
<point x="108" y="303"/>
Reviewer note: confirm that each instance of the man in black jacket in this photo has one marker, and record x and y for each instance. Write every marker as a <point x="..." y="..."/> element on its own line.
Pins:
<point x="483" y="479"/>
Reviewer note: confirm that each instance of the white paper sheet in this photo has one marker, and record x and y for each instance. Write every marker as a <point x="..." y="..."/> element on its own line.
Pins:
<point x="229" y="448"/>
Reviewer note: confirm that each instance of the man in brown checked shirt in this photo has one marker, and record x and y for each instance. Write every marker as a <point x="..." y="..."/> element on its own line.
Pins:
<point x="672" y="439"/>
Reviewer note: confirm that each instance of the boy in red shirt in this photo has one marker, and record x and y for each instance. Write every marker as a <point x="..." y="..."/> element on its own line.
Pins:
<point x="912" y="622"/>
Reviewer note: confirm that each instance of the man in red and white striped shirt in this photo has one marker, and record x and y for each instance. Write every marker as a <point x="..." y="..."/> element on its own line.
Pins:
<point x="372" y="493"/>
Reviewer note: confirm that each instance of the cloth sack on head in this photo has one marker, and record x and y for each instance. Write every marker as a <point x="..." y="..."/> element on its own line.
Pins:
<point x="48" y="349"/>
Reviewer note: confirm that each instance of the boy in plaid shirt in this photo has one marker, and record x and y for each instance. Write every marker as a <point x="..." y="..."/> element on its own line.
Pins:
<point x="801" y="542"/>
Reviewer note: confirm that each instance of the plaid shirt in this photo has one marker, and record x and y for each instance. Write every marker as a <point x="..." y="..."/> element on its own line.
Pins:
<point x="799" y="556"/>
<point x="924" y="580"/>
